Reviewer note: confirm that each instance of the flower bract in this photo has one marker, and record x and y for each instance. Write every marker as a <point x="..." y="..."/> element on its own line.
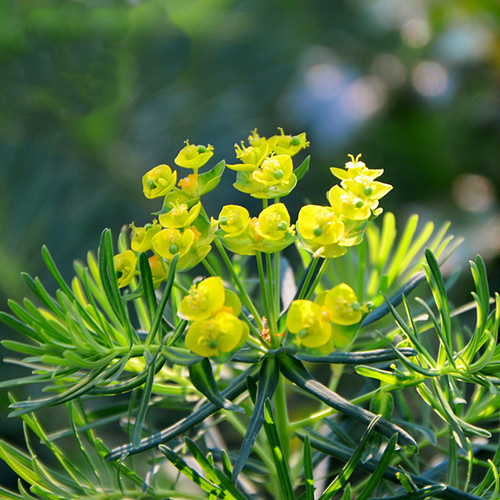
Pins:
<point x="220" y="334"/>
<point x="204" y="299"/>
<point x="343" y="305"/>
<point x="125" y="266"/>
<point x="308" y="321"/>
<point x="191" y="156"/>
<point x="159" y="181"/>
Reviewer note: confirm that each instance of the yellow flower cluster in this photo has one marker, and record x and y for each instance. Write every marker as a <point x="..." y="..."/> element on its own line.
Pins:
<point x="331" y="320"/>
<point x="269" y="232"/>
<point x="181" y="227"/>
<point x="327" y="231"/>
<point x="266" y="170"/>
<point x="215" y="330"/>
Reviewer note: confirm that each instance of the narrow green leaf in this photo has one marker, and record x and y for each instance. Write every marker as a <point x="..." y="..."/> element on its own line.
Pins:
<point x="202" y="377"/>
<point x="351" y="465"/>
<point x="297" y="373"/>
<point x="179" y="356"/>
<point x="20" y="326"/>
<point x="213" y="474"/>
<point x="420" y="494"/>
<point x="402" y="248"/>
<point x="425" y="431"/>
<point x="302" y="169"/>
<point x="82" y="387"/>
<point x="191" y="474"/>
<point x="412" y="335"/>
<point x="386" y="240"/>
<point x="308" y="470"/>
<point x="143" y="406"/>
<point x="282" y="467"/>
<point x="51" y="266"/>
<point x="9" y="495"/>
<point x="378" y="473"/>
<point x="347" y="493"/>
<point x="395" y="299"/>
<point x="226" y="464"/>
<point x="436" y="283"/>
<point x="231" y="392"/>
<point x="18" y="461"/>
<point x="13" y="345"/>
<point x="147" y="285"/>
<point x="344" y="454"/>
<point x="268" y="381"/>
<point x="38" y="290"/>
<point x="356" y="358"/>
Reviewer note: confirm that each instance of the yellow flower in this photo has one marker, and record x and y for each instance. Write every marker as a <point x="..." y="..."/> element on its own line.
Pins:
<point x="274" y="222"/>
<point x="355" y="167"/>
<point x="125" y="266"/>
<point x="286" y="144"/>
<point x="169" y="242"/>
<point x="180" y="215"/>
<point x="274" y="170"/>
<point x="203" y="300"/>
<point x="243" y="242"/>
<point x="309" y="322"/>
<point x="142" y="236"/>
<point x="318" y="224"/>
<point x="367" y="189"/>
<point x="232" y="303"/>
<point x="348" y="205"/>
<point x="342" y="303"/>
<point x="255" y="139"/>
<point x="320" y="231"/>
<point x="221" y="334"/>
<point x="159" y="181"/>
<point x="232" y="219"/>
<point x="251" y="156"/>
<point x="191" y="156"/>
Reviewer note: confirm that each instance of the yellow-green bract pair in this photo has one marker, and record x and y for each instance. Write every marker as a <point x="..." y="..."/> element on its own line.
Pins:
<point x="328" y="320"/>
<point x="215" y="329"/>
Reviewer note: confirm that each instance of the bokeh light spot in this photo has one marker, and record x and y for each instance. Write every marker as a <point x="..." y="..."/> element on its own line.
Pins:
<point x="416" y="33"/>
<point x="390" y="70"/>
<point x="474" y="193"/>
<point x="323" y="80"/>
<point x="365" y="96"/>
<point x="430" y="78"/>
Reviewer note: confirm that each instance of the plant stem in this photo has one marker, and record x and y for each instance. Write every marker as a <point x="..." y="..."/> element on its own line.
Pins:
<point x="244" y="295"/>
<point x="318" y="278"/>
<point x="307" y="280"/>
<point x="281" y="413"/>
<point x="265" y="298"/>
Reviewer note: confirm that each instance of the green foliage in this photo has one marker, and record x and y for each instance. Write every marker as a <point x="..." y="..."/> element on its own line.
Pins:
<point x="104" y="356"/>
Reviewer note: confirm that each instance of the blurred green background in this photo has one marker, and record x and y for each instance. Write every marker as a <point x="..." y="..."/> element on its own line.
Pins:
<point x="94" y="93"/>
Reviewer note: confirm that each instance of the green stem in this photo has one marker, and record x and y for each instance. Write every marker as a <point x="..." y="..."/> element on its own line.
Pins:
<point x="281" y="413"/>
<point x="277" y="281"/>
<point x="265" y="298"/>
<point x="320" y="415"/>
<point x="308" y="278"/>
<point x="257" y="448"/>
<point x="244" y="295"/>
<point x="271" y="293"/>
<point x="318" y="278"/>
<point x="209" y="268"/>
